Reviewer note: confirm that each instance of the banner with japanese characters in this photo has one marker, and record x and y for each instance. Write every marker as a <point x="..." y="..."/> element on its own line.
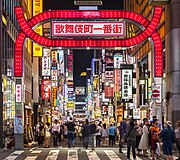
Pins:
<point x="88" y="28"/>
<point x="126" y="84"/>
<point x="46" y="60"/>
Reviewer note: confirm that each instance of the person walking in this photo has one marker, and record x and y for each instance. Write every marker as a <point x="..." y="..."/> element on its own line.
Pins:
<point x="104" y="134"/>
<point x="131" y="139"/>
<point x="86" y="133"/>
<point x="112" y="133"/>
<point x="155" y="132"/>
<point x="55" y="131"/>
<point x="40" y="132"/>
<point x="177" y="136"/>
<point x="70" y="132"/>
<point x="144" y="142"/>
<point x="167" y="135"/>
<point x="138" y="137"/>
<point x="92" y="137"/>
<point x="47" y="136"/>
<point x="122" y="133"/>
<point x="98" y="134"/>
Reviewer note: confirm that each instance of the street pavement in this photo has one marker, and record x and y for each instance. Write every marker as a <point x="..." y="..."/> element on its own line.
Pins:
<point x="64" y="153"/>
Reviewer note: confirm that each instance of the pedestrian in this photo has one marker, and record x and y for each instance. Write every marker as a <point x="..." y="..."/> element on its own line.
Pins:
<point x="131" y="139"/>
<point x="104" y="134"/>
<point x="80" y="132"/>
<point x="98" y="134"/>
<point x="112" y="133"/>
<point x="86" y="133"/>
<point x="144" y="142"/>
<point x="167" y="135"/>
<point x="70" y="132"/>
<point x="47" y="129"/>
<point x="122" y="133"/>
<point x="177" y="135"/>
<point x="138" y="137"/>
<point x="55" y="132"/>
<point x="40" y="132"/>
<point x="92" y="137"/>
<point x="155" y="133"/>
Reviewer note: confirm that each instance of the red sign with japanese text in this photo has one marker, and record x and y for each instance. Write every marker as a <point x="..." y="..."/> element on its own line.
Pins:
<point x="45" y="89"/>
<point x="88" y="28"/>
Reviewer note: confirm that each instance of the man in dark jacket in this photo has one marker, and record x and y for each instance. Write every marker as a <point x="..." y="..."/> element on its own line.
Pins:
<point x="92" y="136"/>
<point x="86" y="133"/>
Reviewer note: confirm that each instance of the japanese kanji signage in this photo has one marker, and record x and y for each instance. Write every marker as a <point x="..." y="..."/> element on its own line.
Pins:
<point x="127" y="84"/>
<point x="46" y="63"/>
<point x="88" y="29"/>
<point x="54" y="96"/>
<point x="18" y="93"/>
<point x="45" y="89"/>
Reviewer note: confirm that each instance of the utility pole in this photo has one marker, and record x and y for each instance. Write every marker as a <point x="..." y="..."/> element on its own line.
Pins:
<point x="1" y="93"/>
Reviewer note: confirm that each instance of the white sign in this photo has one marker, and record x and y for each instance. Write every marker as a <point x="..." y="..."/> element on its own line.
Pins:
<point x="136" y="114"/>
<point x="110" y="111"/>
<point x="54" y="75"/>
<point x="109" y="76"/>
<point x="118" y="60"/>
<point x="18" y="93"/>
<point x="88" y="28"/>
<point x="46" y="63"/>
<point x="126" y="84"/>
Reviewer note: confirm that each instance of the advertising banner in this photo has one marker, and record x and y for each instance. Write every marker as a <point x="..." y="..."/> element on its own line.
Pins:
<point x="109" y="92"/>
<point x="80" y="90"/>
<point x="18" y="93"/>
<point x="109" y="76"/>
<point x="118" y="60"/>
<point x="88" y="28"/>
<point x="104" y="109"/>
<point x="45" y="89"/>
<point x="109" y="63"/>
<point x="110" y="111"/>
<point x="37" y="8"/>
<point x="117" y="79"/>
<point x="54" y="75"/>
<point x="46" y="66"/>
<point x="126" y="84"/>
<point x="61" y="61"/>
<point x="54" y="96"/>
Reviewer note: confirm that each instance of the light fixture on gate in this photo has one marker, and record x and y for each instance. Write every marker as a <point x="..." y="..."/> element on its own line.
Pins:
<point x="88" y="3"/>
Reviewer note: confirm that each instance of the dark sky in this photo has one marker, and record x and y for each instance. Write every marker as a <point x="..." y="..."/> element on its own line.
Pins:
<point x="82" y="60"/>
<point x="69" y="4"/>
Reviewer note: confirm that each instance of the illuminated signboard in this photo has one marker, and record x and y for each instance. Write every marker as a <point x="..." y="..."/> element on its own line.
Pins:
<point x="18" y="93"/>
<point x="118" y="60"/>
<point x="127" y="84"/>
<point x="88" y="28"/>
<point x="54" y="96"/>
<point x="148" y="31"/>
<point x="37" y="8"/>
<point x="45" y="89"/>
<point x="54" y="75"/>
<point x="46" y="63"/>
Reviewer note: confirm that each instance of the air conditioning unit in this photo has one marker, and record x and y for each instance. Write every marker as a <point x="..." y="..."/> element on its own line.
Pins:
<point x="158" y="2"/>
<point x="88" y="3"/>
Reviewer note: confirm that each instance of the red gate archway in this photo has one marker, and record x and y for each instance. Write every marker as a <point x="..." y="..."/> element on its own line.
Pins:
<point x="149" y="30"/>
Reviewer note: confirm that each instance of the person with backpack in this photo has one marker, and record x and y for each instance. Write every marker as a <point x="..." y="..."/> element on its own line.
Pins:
<point x="168" y="138"/>
<point x="86" y="133"/>
<point x="177" y="135"/>
<point x="131" y="139"/>
<point x="112" y="133"/>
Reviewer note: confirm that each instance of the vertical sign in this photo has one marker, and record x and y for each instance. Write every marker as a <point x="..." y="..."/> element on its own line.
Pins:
<point x="118" y="60"/>
<point x="46" y="66"/>
<point x="126" y="84"/>
<point x="45" y="89"/>
<point x="110" y="111"/>
<point x="54" y="96"/>
<point x="18" y="93"/>
<point x="37" y="8"/>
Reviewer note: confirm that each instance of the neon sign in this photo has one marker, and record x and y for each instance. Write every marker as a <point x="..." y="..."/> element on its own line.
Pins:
<point x="88" y="28"/>
<point x="149" y="31"/>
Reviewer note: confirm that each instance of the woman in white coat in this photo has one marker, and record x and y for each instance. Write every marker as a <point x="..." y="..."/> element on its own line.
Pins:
<point x="144" y="143"/>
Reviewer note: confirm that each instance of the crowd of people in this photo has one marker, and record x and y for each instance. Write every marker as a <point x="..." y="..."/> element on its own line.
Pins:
<point x="146" y="139"/>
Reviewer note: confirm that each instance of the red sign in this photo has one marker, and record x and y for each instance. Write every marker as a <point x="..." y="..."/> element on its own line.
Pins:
<point x="88" y="28"/>
<point x="109" y="91"/>
<point x="45" y="89"/>
<point x="155" y="93"/>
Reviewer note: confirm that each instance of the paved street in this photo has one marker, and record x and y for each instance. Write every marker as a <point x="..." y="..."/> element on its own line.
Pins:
<point x="59" y="153"/>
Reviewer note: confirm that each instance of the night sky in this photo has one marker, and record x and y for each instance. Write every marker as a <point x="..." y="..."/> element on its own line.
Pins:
<point x="82" y="58"/>
<point x="69" y="4"/>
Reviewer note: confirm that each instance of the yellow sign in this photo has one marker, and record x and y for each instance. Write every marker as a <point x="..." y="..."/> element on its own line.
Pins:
<point x="54" y="96"/>
<point x="37" y="8"/>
